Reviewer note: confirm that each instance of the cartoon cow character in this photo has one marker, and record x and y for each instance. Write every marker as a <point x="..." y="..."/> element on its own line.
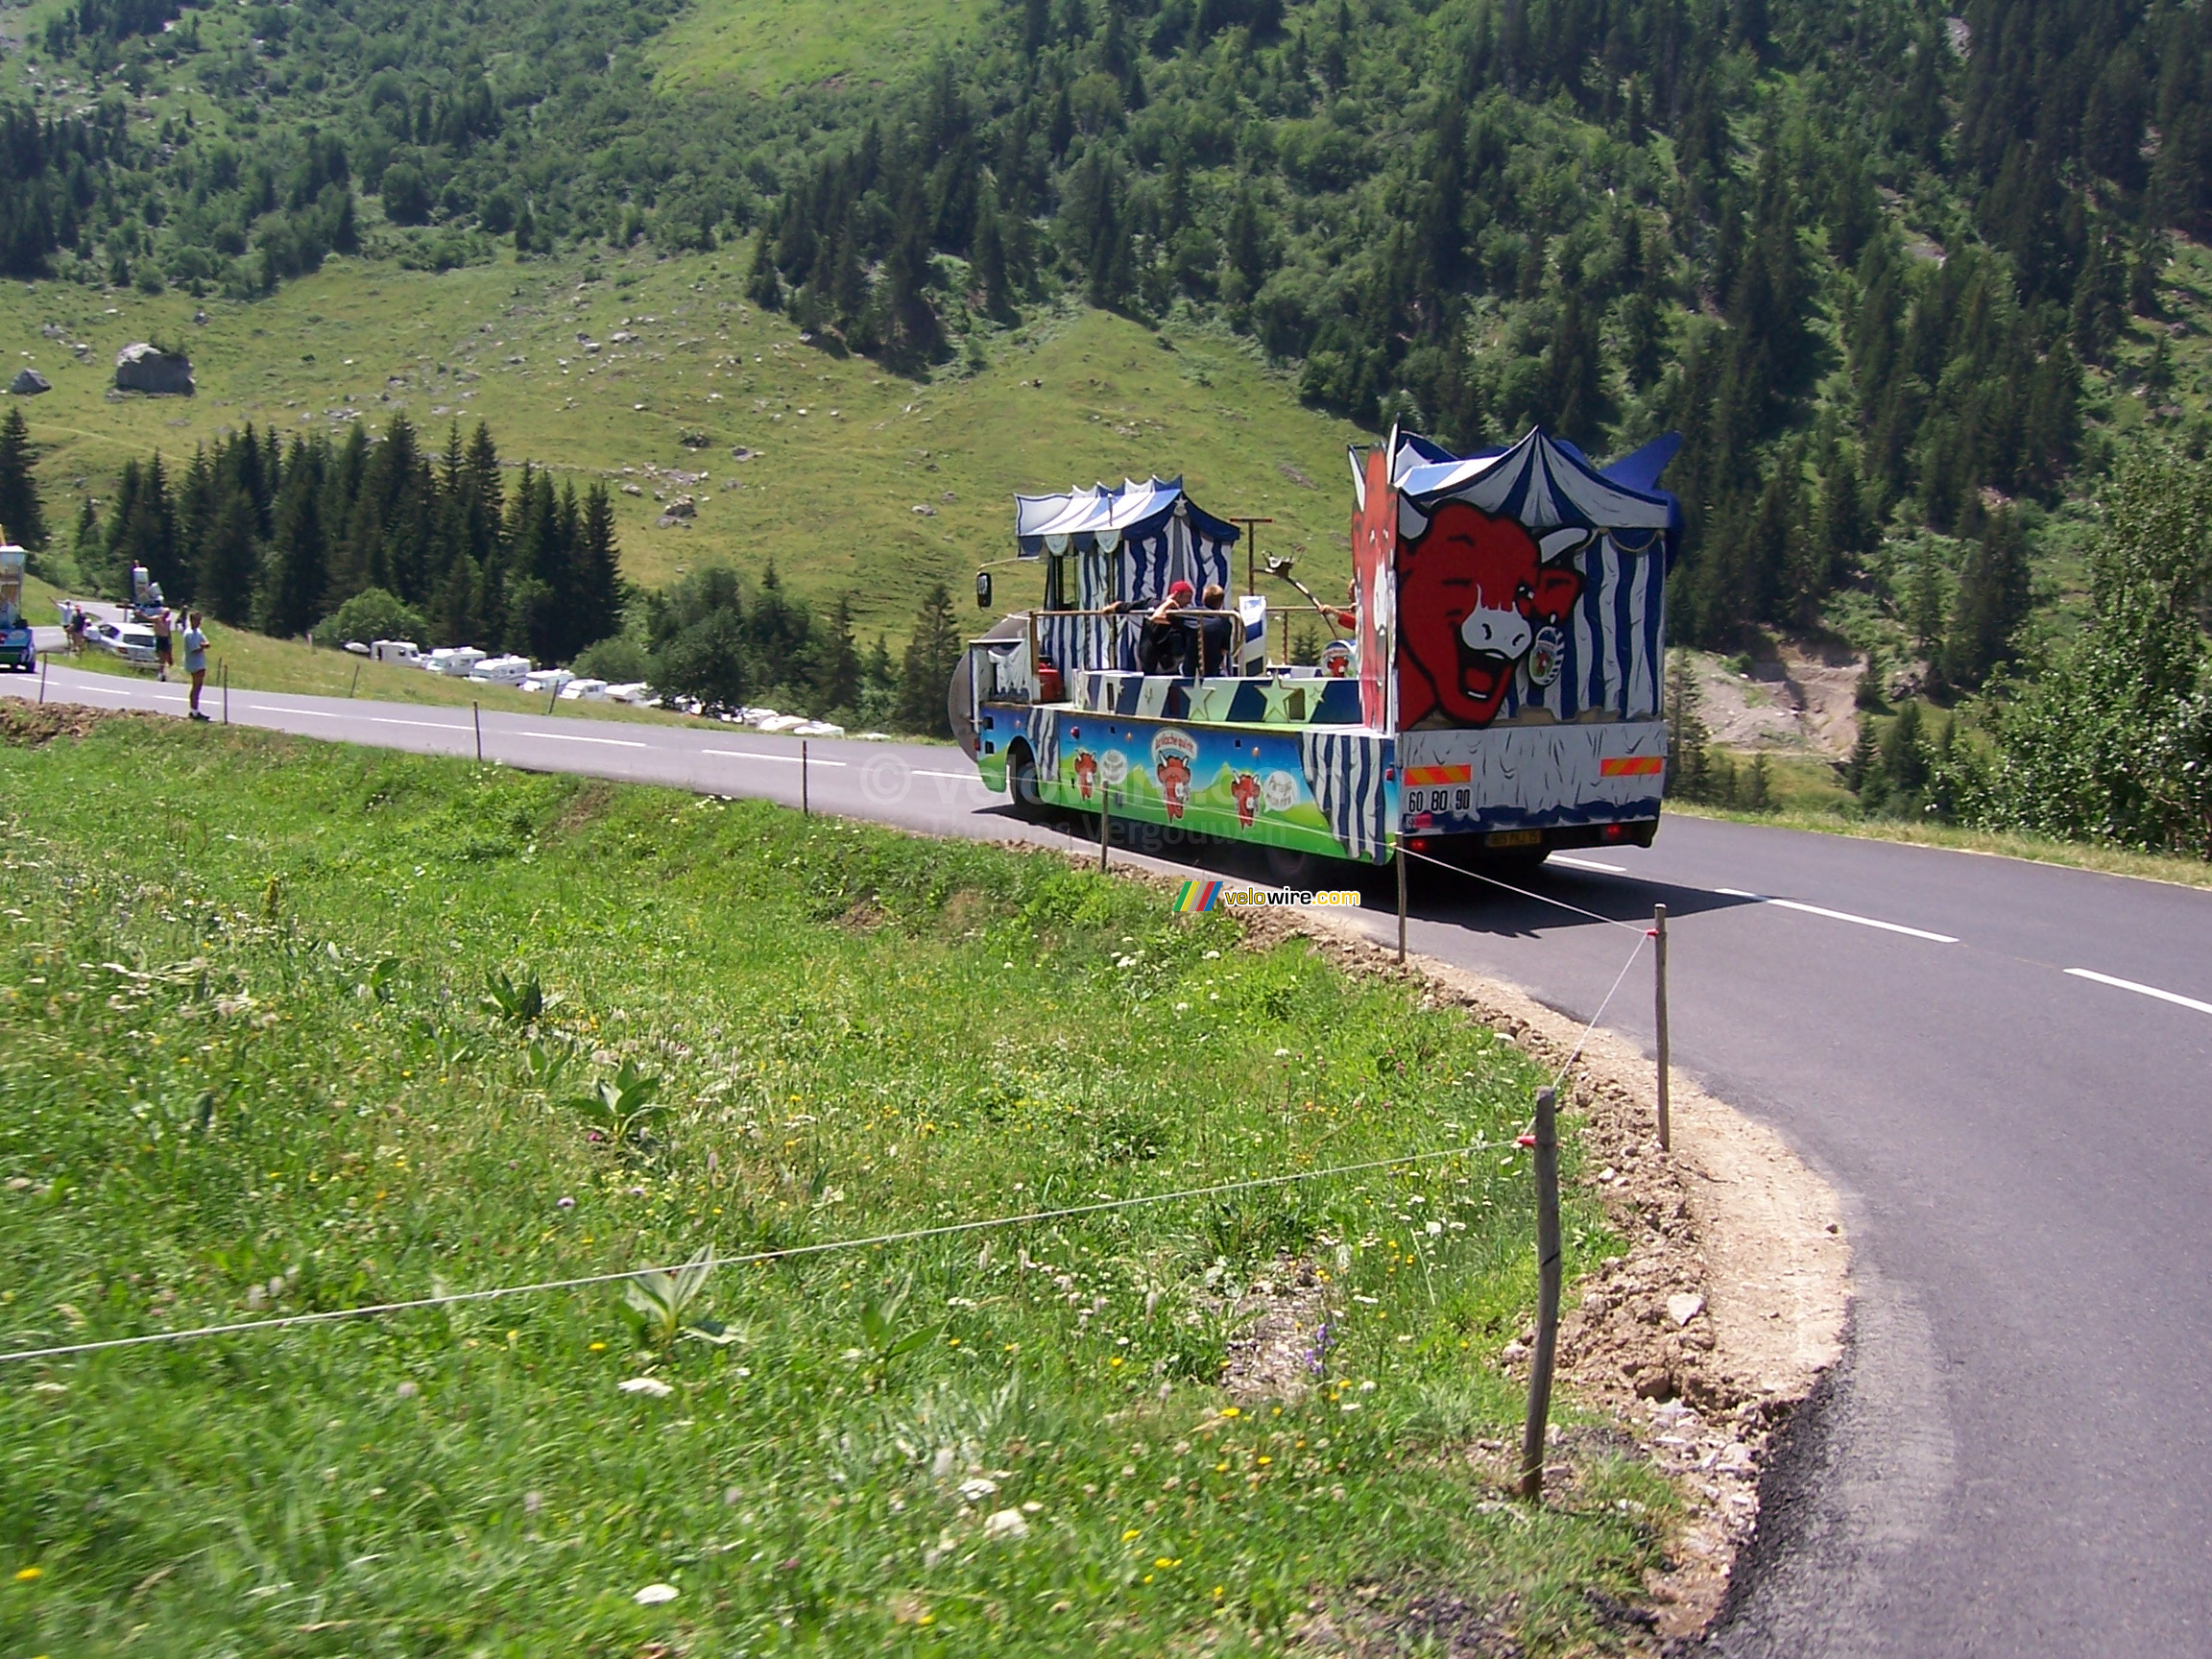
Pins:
<point x="1472" y="594"/>
<point x="1086" y="772"/>
<point x="1245" y="789"/>
<point x="1174" y="773"/>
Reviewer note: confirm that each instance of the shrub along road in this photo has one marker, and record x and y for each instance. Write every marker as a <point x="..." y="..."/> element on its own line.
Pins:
<point x="2001" y="1065"/>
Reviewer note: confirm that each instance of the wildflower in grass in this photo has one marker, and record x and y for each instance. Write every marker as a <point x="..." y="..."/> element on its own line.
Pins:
<point x="654" y="1595"/>
<point x="408" y="1390"/>
<point x="1130" y="1536"/>
<point x="27" y="1575"/>
<point x="565" y="1203"/>
<point x="650" y="1386"/>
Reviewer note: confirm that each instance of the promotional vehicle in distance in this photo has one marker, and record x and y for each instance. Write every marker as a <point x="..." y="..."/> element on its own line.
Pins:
<point x="16" y="649"/>
<point x="1501" y="697"/>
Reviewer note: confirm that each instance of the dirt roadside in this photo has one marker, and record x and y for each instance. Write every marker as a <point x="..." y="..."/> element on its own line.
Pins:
<point x="1730" y="1301"/>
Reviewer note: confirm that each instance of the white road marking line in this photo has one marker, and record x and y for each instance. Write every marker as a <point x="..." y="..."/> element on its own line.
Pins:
<point x="1841" y="916"/>
<point x="281" y="709"/>
<point x="2174" y="996"/>
<point x="429" y="725"/>
<point x="956" y="776"/>
<point x="570" y="737"/>
<point x="1589" y="864"/>
<point x="787" y="759"/>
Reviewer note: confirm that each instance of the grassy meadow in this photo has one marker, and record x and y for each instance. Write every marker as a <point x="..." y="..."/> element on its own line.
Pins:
<point x="846" y="452"/>
<point x="769" y="46"/>
<point x="292" y="1027"/>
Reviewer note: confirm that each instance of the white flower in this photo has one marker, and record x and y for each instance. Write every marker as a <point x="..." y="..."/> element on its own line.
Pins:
<point x="653" y="1595"/>
<point x="1006" y="1523"/>
<point x="659" y="1390"/>
<point x="1435" y="1228"/>
<point x="975" y="1488"/>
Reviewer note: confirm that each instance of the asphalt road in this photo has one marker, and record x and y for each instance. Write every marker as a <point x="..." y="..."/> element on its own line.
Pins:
<point x="2004" y="1067"/>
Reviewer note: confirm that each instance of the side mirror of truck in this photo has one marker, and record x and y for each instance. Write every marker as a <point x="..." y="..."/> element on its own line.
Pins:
<point x="983" y="590"/>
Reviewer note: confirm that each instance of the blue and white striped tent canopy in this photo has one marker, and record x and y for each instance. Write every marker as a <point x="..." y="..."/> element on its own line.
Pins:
<point x="1548" y="484"/>
<point x="1131" y="545"/>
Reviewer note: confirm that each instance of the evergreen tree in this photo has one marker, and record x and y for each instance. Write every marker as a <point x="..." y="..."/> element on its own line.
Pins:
<point x="1992" y="602"/>
<point x="22" y="512"/>
<point x="932" y="653"/>
<point x="228" y="562"/>
<point x="838" y="672"/>
<point x="296" y="574"/>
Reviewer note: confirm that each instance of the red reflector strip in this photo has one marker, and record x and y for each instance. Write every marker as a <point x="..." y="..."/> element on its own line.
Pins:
<point x="1416" y="776"/>
<point x="1631" y="766"/>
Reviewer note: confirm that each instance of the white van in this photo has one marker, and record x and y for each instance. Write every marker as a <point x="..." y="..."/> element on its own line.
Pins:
<point x="395" y="650"/>
<point x="584" y="692"/>
<point x="460" y="662"/>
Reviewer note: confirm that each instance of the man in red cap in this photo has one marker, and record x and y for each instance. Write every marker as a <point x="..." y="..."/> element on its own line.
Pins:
<point x="1163" y="645"/>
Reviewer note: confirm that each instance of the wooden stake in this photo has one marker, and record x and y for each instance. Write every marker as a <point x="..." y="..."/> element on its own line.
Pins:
<point x="476" y="717"/>
<point x="1105" y="822"/>
<point x="222" y="672"/>
<point x="357" y="685"/>
<point x="805" y="804"/>
<point x="1659" y="1008"/>
<point x="1400" y="901"/>
<point x="41" y="679"/>
<point x="1547" y="1161"/>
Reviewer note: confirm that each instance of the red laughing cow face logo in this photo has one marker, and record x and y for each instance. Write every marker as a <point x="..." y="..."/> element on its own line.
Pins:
<point x="1086" y="772"/>
<point x="1472" y="594"/>
<point x="1174" y="773"/>
<point x="1246" y="791"/>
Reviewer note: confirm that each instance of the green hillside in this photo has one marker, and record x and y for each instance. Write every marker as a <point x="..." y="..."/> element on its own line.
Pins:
<point x="845" y="451"/>
<point x="1910" y="284"/>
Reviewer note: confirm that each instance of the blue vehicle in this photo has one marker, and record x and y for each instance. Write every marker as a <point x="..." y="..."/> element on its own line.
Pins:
<point x="16" y="650"/>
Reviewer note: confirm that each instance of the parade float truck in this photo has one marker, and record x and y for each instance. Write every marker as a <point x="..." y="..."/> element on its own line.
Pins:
<point x="1499" y="698"/>
<point x="16" y="650"/>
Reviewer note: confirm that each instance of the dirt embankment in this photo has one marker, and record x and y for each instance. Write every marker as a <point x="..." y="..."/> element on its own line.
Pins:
<point x="1730" y="1299"/>
<point x="1800" y="698"/>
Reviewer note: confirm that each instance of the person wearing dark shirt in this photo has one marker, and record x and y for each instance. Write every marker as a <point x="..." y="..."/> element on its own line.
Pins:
<point x="1216" y="636"/>
<point x="1163" y="646"/>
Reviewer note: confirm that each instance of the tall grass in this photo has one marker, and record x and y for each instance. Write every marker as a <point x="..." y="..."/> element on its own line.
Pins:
<point x="291" y="1028"/>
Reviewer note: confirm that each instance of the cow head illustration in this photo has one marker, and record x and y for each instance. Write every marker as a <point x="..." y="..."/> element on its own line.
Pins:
<point x="1086" y="772"/>
<point x="1472" y="594"/>
<point x="1245" y="789"/>
<point x="1174" y="773"/>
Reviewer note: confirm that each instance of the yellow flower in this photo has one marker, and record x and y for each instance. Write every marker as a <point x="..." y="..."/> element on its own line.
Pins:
<point x="599" y="1347"/>
<point x="1126" y="1538"/>
<point x="1232" y="1411"/>
<point x="1162" y="1561"/>
<point x="1115" y="1361"/>
<point x="25" y="1575"/>
<point x="1264" y="1461"/>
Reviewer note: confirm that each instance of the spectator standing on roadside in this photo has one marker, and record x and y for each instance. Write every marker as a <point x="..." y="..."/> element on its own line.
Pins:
<point x="164" y="644"/>
<point x="195" y="660"/>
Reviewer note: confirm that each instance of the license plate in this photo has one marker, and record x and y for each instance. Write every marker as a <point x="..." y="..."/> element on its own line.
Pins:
<point x="1515" y="838"/>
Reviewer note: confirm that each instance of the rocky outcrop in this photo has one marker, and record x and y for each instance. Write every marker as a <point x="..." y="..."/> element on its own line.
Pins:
<point x="144" y="367"/>
<point x="29" y="384"/>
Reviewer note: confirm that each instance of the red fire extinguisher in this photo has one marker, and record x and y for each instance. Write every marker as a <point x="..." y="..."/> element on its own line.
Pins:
<point x="1049" y="687"/>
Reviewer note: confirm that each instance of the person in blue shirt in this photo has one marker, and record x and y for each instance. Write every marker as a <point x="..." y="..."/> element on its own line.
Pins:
<point x="195" y="660"/>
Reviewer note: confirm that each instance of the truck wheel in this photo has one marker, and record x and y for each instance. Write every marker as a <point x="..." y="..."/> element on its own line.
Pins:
<point x="1022" y="782"/>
